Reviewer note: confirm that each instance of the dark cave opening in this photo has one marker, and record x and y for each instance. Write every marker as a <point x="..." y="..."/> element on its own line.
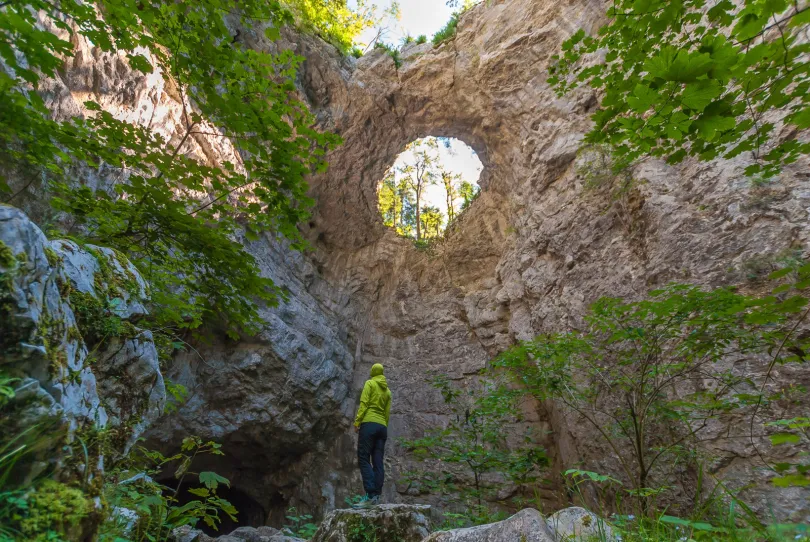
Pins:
<point x="251" y="512"/>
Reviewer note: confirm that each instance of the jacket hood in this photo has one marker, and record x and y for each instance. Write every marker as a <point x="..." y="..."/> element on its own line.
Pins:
<point x="380" y="381"/>
<point x="376" y="370"/>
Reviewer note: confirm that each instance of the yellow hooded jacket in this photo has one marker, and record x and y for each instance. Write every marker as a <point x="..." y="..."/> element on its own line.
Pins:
<point x="375" y="401"/>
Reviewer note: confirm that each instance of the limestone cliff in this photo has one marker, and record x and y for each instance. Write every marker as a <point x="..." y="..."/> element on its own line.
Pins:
<point x="532" y="252"/>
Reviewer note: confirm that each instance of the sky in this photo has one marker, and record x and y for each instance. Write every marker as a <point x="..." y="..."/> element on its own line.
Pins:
<point x="416" y="17"/>
<point x="459" y="158"/>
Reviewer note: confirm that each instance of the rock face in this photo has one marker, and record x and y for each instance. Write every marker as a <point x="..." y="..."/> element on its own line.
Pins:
<point x="120" y="385"/>
<point x="525" y="526"/>
<point x="65" y="376"/>
<point x="389" y="522"/>
<point x="529" y="256"/>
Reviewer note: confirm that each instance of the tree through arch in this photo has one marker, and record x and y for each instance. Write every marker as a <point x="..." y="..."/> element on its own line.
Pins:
<point x="429" y="185"/>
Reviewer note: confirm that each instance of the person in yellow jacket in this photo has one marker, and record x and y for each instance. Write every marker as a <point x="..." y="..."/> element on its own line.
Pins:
<point x="371" y="423"/>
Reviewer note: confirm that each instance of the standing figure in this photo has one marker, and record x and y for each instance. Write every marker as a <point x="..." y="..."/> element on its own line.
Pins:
<point x="371" y="423"/>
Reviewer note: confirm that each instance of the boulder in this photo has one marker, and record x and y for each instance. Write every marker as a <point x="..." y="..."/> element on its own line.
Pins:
<point x="241" y="534"/>
<point x="525" y="526"/>
<point x="387" y="522"/>
<point x="576" y="523"/>
<point x="256" y="534"/>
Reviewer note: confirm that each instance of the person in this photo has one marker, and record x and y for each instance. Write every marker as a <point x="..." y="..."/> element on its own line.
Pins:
<point x="371" y="424"/>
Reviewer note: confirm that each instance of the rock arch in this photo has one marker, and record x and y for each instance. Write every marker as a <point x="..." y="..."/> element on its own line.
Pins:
<point x="529" y="256"/>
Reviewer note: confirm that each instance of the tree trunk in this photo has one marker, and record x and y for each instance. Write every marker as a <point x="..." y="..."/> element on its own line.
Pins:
<point x="418" y="212"/>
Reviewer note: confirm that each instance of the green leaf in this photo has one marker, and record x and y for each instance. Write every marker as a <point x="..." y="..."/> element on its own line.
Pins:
<point x="200" y="492"/>
<point x="643" y="98"/>
<point x="791" y="480"/>
<point x="700" y="94"/>
<point x="140" y="63"/>
<point x="784" y="438"/>
<point x="212" y="479"/>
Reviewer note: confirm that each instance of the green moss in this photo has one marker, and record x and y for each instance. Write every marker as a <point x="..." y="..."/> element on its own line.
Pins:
<point x="108" y="280"/>
<point x="7" y="258"/>
<point x="51" y="332"/>
<point x="97" y="320"/>
<point x="52" y="257"/>
<point x="362" y="529"/>
<point x="54" y="509"/>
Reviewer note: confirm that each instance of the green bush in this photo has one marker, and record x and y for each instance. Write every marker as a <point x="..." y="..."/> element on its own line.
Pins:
<point x="448" y="31"/>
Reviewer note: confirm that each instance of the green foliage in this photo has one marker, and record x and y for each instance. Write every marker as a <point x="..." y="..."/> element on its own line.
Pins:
<point x="475" y="441"/>
<point x="301" y="526"/>
<point x="333" y="20"/>
<point x="97" y="319"/>
<point x="177" y="395"/>
<point x="691" y="79"/>
<point x="132" y="485"/>
<point x="448" y="31"/>
<point x="619" y="373"/>
<point x="793" y="431"/>
<point x="176" y="218"/>
<point x="52" y="511"/>
<point x="420" y="39"/>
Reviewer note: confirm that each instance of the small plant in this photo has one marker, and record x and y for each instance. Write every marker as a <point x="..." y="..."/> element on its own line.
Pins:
<point x="302" y="525"/>
<point x="391" y="51"/>
<point x="420" y="39"/>
<point x="356" y="52"/>
<point x="159" y="510"/>
<point x="177" y="393"/>
<point x="354" y="499"/>
<point x="448" y="31"/>
<point x="472" y="448"/>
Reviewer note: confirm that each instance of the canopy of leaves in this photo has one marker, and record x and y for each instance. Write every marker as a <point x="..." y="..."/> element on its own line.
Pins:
<point x="176" y="218"/>
<point x="696" y="78"/>
<point x="333" y="20"/>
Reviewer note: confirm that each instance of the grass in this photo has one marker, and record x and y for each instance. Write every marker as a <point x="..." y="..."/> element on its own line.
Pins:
<point x="448" y="31"/>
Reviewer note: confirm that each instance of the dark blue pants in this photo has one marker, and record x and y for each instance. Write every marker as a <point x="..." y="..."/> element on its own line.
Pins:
<point x="370" y="450"/>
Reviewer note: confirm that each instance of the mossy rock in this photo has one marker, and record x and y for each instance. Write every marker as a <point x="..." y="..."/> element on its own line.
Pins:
<point x="383" y="523"/>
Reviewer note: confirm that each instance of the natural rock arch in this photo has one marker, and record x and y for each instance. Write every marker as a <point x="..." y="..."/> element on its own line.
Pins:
<point x="529" y="256"/>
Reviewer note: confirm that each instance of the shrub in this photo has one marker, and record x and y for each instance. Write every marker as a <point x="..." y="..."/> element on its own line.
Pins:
<point x="448" y="32"/>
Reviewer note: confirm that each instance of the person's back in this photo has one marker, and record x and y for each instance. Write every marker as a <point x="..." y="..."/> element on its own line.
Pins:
<point x="371" y="423"/>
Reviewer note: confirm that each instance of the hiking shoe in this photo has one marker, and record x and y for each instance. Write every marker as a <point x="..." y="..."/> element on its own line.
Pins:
<point x="366" y="502"/>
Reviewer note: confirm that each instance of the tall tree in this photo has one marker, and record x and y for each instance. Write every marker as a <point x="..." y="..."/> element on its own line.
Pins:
<point x="419" y="173"/>
<point x="177" y="219"/>
<point x="449" y="180"/>
<point x="432" y="221"/>
<point x="407" y="212"/>
<point x="390" y="201"/>
<point x="467" y="191"/>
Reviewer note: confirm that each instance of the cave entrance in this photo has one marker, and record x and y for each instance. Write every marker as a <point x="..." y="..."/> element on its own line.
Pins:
<point x="251" y="512"/>
<point x="431" y="183"/>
